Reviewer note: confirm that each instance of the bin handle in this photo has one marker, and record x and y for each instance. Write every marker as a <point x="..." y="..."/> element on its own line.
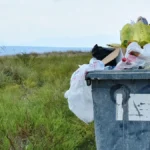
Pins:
<point x="123" y="89"/>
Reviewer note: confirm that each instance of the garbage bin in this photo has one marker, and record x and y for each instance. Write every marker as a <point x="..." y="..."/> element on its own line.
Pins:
<point x="121" y="109"/>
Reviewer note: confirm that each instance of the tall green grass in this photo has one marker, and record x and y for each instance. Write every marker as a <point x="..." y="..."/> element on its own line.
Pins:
<point x="34" y="114"/>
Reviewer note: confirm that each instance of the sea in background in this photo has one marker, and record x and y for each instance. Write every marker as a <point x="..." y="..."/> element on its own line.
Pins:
<point x="13" y="50"/>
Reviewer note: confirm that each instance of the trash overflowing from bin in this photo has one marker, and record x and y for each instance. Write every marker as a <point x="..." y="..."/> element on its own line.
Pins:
<point x="135" y="57"/>
<point x="132" y="54"/>
<point x="79" y="95"/>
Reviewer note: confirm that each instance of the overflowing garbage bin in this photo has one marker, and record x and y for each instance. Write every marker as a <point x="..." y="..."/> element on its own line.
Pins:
<point x="121" y="109"/>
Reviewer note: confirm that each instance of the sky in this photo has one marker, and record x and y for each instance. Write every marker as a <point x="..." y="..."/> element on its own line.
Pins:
<point x="67" y="22"/>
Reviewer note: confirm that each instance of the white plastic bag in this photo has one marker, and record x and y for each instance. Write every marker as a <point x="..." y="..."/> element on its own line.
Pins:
<point x="146" y="51"/>
<point x="131" y="61"/>
<point x="146" y="56"/>
<point x="134" y="46"/>
<point x="132" y="22"/>
<point x="79" y="95"/>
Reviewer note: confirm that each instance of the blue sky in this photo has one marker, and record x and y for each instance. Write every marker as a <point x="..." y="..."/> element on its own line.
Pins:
<point x="67" y="22"/>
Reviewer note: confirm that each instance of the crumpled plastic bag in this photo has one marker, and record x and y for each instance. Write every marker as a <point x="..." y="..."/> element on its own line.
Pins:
<point x="79" y="94"/>
<point x="126" y="34"/>
<point x="145" y="54"/>
<point x="137" y="32"/>
<point x="132" y="61"/>
<point x="135" y="47"/>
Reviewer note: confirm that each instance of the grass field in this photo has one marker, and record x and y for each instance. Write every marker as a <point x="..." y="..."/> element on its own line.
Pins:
<point x="34" y="114"/>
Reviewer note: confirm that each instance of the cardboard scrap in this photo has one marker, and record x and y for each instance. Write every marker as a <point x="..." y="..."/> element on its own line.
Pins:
<point x="111" y="56"/>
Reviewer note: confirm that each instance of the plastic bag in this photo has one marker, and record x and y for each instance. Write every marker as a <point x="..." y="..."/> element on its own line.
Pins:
<point x="146" y="51"/>
<point x="132" y="22"/>
<point x="126" y="35"/>
<point x="145" y="54"/>
<point x="79" y="94"/>
<point x="137" y="32"/>
<point x="133" y="47"/>
<point x="131" y="61"/>
<point x="141" y="33"/>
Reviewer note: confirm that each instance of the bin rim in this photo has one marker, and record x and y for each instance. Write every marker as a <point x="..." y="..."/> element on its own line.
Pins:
<point x="118" y="75"/>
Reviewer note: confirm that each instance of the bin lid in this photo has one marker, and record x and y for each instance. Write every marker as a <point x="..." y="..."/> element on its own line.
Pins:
<point x="118" y="75"/>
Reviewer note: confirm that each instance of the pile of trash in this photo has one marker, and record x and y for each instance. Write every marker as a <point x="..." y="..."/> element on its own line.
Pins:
<point x="130" y="54"/>
<point x="79" y="94"/>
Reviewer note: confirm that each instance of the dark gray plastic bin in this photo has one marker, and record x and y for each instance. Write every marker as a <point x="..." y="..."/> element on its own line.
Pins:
<point x="121" y="109"/>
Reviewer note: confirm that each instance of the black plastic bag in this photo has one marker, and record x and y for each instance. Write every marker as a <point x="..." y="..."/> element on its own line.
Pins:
<point x="100" y="53"/>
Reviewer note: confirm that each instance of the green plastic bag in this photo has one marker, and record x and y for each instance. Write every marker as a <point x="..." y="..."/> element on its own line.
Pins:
<point x="137" y="32"/>
<point x="126" y="35"/>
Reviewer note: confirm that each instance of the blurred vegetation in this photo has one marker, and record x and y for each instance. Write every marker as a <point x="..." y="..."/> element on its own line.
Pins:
<point x="33" y="111"/>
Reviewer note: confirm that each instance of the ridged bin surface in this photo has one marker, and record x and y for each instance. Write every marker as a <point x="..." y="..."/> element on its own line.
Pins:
<point x="121" y="109"/>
